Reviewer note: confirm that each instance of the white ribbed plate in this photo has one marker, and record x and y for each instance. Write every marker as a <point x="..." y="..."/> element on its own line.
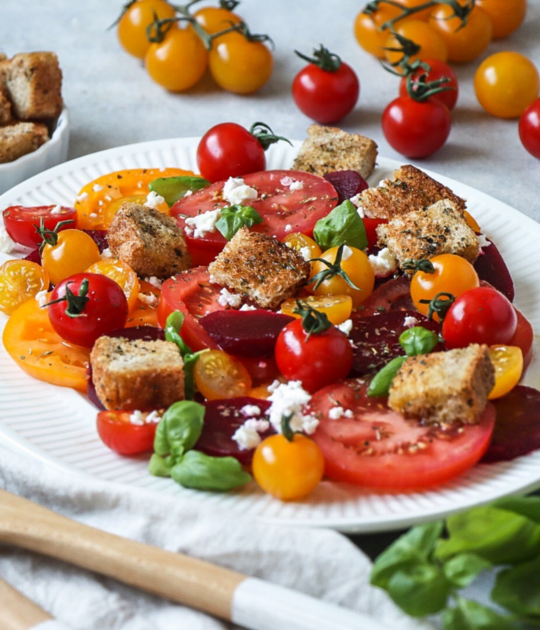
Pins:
<point x="57" y="425"/>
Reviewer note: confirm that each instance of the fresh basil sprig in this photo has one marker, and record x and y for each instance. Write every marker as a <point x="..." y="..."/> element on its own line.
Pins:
<point x="203" y="472"/>
<point x="381" y="382"/>
<point x="173" y="326"/>
<point x="343" y="226"/>
<point x="236" y="217"/>
<point x="172" y="189"/>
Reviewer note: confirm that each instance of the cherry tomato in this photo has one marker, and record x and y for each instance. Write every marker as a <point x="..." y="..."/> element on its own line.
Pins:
<point x="368" y="32"/>
<point x="21" y="222"/>
<point x="73" y="252"/>
<point x="317" y="359"/>
<point x="529" y="128"/>
<point x="32" y="343"/>
<point x="508" y="364"/>
<point x="336" y="307"/>
<point x="413" y="4"/>
<point x="179" y="61"/>
<point x="121" y="435"/>
<point x="464" y="43"/>
<point x="123" y="275"/>
<point x="379" y="449"/>
<point x="135" y="21"/>
<point x="505" y="15"/>
<point x="523" y="338"/>
<point x="416" y="129"/>
<point x="300" y="242"/>
<point x="219" y="375"/>
<point x="439" y="69"/>
<point x="506" y="84"/>
<point x="453" y="274"/>
<point x="145" y="311"/>
<point x="432" y="44"/>
<point x="216" y="19"/>
<point x="288" y="470"/>
<point x="481" y="315"/>
<point x="104" y="310"/>
<point x="238" y="64"/>
<point x="20" y="280"/>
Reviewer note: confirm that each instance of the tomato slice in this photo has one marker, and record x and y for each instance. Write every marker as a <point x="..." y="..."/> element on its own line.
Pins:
<point x="145" y="311"/>
<point x="379" y="449"/>
<point x="393" y="295"/>
<point x="219" y="375"/>
<point x="21" y="222"/>
<point x="121" y="435"/>
<point x="523" y="338"/>
<point x="283" y="210"/>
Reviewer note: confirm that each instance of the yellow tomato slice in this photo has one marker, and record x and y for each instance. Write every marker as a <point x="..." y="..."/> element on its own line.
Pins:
<point x="299" y="241"/>
<point x="94" y="198"/>
<point x="508" y="364"/>
<point x="123" y="275"/>
<point x="145" y="311"/>
<point x="20" y="280"/>
<point x="33" y="344"/>
<point x="336" y="307"/>
<point x="471" y="221"/>
<point x="218" y="375"/>
<point x="114" y="206"/>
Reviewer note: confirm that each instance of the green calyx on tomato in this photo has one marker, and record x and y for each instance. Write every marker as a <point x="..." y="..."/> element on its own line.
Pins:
<point x="313" y="322"/>
<point x="286" y="429"/>
<point x="323" y="59"/>
<point x="343" y="226"/>
<point x="50" y="237"/>
<point x="333" y="269"/>
<point x="460" y="11"/>
<point x="418" y="265"/>
<point x="264" y="134"/>
<point x="228" y="5"/>
<point x="158" y="29"/>
<point x="235" y="217"/>
<point x="75" y="302"/>
<point x="439" y="305"/>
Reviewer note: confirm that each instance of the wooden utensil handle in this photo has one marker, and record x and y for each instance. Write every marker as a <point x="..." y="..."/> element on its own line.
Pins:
<point x="18" y="612"/>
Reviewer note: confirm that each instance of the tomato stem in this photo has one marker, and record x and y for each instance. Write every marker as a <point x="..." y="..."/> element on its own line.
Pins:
<point x="50" y="237"/>
<point x="334" y="269"/>
<point x="460" y="11"/>
<point x="439" y="305"/>
<point x="228" y="5"/>
<point x="265" y="135"/>
<point x="323" y="59"/>
<point x="126" y="6"/>
<point x="75" y="303"/>
<point x="286" y="430"/>
<point x="313" y="322"/>
<point x="423" y="265"/>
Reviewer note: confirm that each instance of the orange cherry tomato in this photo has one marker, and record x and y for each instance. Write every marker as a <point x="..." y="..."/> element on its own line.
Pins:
<point x="508" y="364"/>
<point x="471" y="222"/>
<point x="145" y="311"/>
<point x="299" y="242"/>
<point x="367" y="29"/>
<point x="219" y="375"/>
<point x="32" y="343"/>
<point x="505" y="15"/>
<point x="73" y="253"/>
<point x="432" y="44"/>
<point x="412" y="4"/>
<point x="216" y="19"/>
<point x="20" y="280"/>
<point x="288" y="470"/>
<point x="123" y="275"/>
<point x="336" y="307"/>
<point x="136" y="19"/>
<point x="115" y="205"/>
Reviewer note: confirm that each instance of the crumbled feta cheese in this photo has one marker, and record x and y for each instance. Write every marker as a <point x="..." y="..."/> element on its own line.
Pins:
<point x="155" y="282"/>
<point x="153" y="417"/>
<point x="292" y="184"/>
<point x="153" y="200"/>
<point x="82" y="197"/>
<point x="335" y="413"/>
<point x="247" y="436"/>
<point x="148" y="298"/>
<point x="248" y="307"/>
<point x="6" y="243"/>
<point x="136" y="417"/>
<point x="203" y="223"/>
<point x="288" y="227"/>
<point x="482" y="241"/>
<point x="357" y="201"/>
<point x="306" y="253"/>
<point x="93" y="215"/>
<point x="226" y="298"/>
<point x="41" y="298"/>
<point x="235" y="191"/>
<point x="384" y="263"/>
<point x="106" y="253"/>
<point x="188" y="193"/>
<point x="347" y="253"/>
<point x="97" y="188"/>
<point x="410" y="321"/>
<point x="288" y="399"/>
<point x="250" y="410"/>
<point x="56" y="210"/>
<point x="346" y="326"/>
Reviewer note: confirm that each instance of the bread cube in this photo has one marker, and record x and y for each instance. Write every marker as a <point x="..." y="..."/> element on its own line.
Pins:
<point x="21" y="138"/>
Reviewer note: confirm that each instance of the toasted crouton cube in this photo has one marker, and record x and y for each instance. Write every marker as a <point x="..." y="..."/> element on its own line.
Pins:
<point x="21" y="138"/>
<point x="137" y="374"/>
<point x="260" y="267"/>
<point x="149" y="241"/>
<point x="428" y="232"/>
<point x="409" y="189"/>
<point x="328" y="149"/>
<point x="5" y="108"/>
<point x="444" y="387"/>
<point x="34" y="83"/>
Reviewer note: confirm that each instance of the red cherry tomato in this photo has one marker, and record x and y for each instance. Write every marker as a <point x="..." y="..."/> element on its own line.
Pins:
<point x="481" y="315"/>
<point x="21" y="222"/>
<point x="523" y="338"/>
<point x="529" y="128"/>
<point x="439" y="69"/>
<point x="316" y="360"/>
<point x="416" y="129"/>
<point x="106" y="309"/>
<point x="118" y="432"/>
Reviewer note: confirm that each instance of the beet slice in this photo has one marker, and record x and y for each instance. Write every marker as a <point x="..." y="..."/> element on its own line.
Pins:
<point x="245" y="333"/>
<point x="34" y="256"/>
<point x="392" y="295"/>
<point x="490" y="266"/>
<point x="221" y="419"/>
<point x="517" y="429"/>
<point x="376" y="339"/>
<point x="100" y="238"/>
<point x="347" y="183"/>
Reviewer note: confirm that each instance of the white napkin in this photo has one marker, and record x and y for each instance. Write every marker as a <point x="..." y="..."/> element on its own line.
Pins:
<point x="320" y="563"/>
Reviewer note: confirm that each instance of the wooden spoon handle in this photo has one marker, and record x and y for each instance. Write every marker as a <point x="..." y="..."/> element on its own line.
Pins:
<point x="18" y="612"/>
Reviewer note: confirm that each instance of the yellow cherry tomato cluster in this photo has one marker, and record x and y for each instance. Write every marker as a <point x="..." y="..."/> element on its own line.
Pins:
<point x="178" y="46"/>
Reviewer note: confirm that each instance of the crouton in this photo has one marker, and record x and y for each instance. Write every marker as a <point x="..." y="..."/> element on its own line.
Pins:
<point x="137" y="374"/>
<point x="328" y="149"/>
<point x="149" y="241"/>
<point x="5" y="107"/>
<point x="260" y="267"/>
<point x="21" y="138"/>
<point x="409" y="189"/>
<point x="444" y="387"/>
<point x="34" y="84"/>
<point x="428" y="232"/>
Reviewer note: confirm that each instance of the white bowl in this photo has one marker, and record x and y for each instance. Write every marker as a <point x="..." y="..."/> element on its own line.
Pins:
<point x="49" y="154"/>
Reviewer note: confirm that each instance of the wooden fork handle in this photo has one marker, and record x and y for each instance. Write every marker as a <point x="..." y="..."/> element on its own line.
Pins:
<point x="18" y="612"/>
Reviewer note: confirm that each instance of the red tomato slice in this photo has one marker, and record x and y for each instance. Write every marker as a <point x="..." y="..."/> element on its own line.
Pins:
<point x="21" y="222"/>
<point x="122" y="436"/>
<point x="283" y="210"/>
<point x="393" y="295"/>
<point x="378" y="448"/>
<point x="192" y="293"/>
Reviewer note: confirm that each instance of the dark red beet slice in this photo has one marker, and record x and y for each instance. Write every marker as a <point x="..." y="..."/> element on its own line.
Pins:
<point x="376" y="339"/>
<point x="221" y="419"/>
<point x="491" y="267"/>
<point x="517" y="429"/>
<point x="245" y="333"/>
<point x="34" y="256"/>
<point x="393" y="295"/>
<point x="347" y="183"/>
<point x="100" y="238"/>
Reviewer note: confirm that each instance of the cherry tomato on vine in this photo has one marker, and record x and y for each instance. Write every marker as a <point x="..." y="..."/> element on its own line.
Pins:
<point x="413" y="4"/>
<point x="67" y="253"/>
<point x="529" y="128"/>
<point x="327" y="89"/>
<point x="438" y="70"/>
<point x="432" y="44"/>
<point x="216" y="19"/>
<point x="367" y="29"/>
<point x="505" y="15"/>
<point x="21" y="222"/>
<point x="506" y="83"/>
<point x="123" y="436"/>
<point x="136" y="19"/>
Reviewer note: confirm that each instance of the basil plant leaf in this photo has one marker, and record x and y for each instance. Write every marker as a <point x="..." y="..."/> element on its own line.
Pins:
<point x="203" y="472"/>
<point x="179" y="429"/>
<point x="173" y="326"/>
<point x="236" y="217"/>
<point x="343" y="226"/>
<point x="470" y="615"/>
<point x="159" y="466"/>
<point x="172" y="189"/>
<point x="517" y="589"/>
<point x="462" y="569"/>
<point x="418" y="340"/>
<point x="380" y="385"/>
<point x="420" y="589"/>
<point x="526" y="506"/>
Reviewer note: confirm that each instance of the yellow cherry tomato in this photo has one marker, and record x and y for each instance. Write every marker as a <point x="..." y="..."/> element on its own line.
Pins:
<point x="261" y="391"/>
<point x="355" y="264"/>
<point x="288" y="470"/>
<point x="508" y="364"/>
<point x="299" y="241"/>
<point x="432" y="44"/>
<point x="123" y="275"/>
<point x="368" y="32"/>
<point x="145" y="311"/>
<point x="136" y="19"/>
<point x="112" y="209"/>
<point x="218" y="375"/>
<point x="505" y="15"/>
<point x="471" y="221"/>
<point x="73" y="252"/>
<point x="216" y="19"/>
<point x="336" y="307"/>
<point x="413" y="4"/>
<point x="20" y="280"/>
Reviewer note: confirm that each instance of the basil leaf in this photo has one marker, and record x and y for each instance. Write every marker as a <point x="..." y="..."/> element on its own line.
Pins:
<point x="202" y="472"/>
<point x="343" y="226"/>
<point x="380" y="385"/>
<point x="179" y="429"/>
<point x="173" y="325"/>
<point x="517" y="588"/>
<point x="174" y="188"/>
<point x="235" y="217"/>
<point x="420" y="589"/>
<point x="469" y="615"/>
<point x="526" y="506"/>
<point x="418" y="340"/>
<point x="461" y="570"/>
<point x="159" y="466"/>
